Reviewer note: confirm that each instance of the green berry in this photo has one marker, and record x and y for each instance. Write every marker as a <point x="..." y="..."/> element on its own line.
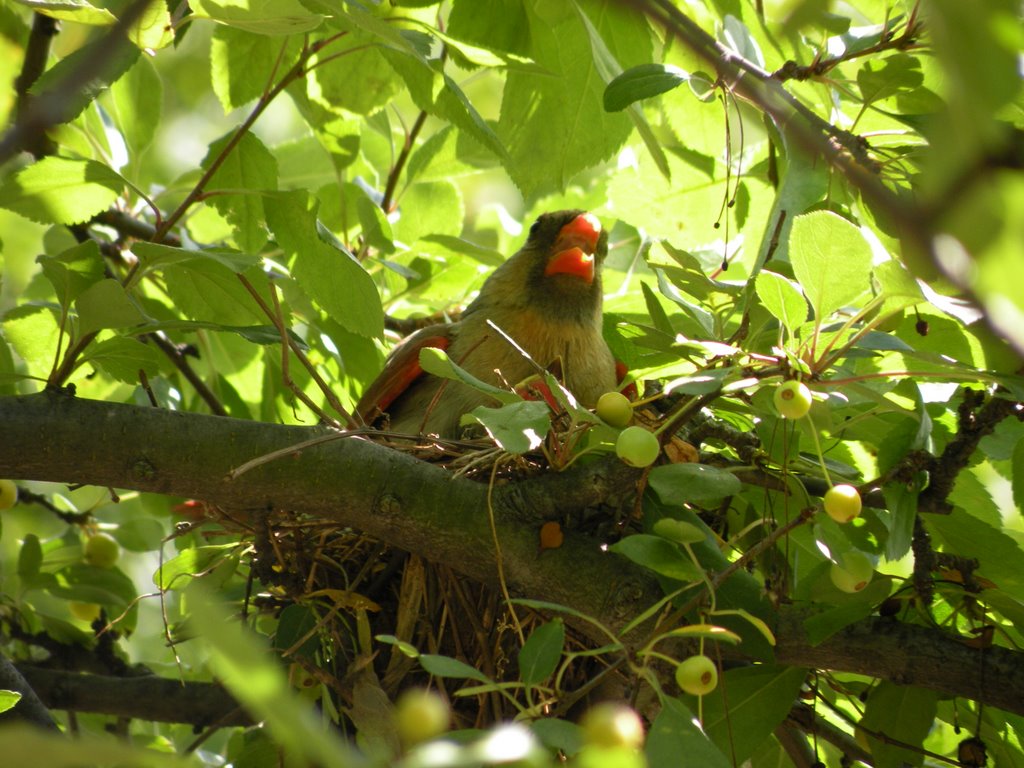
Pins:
<point x="421" y="715"/>
<point x="8" y="494"/>
<point x="853" y="572"/>
<point x="88" y="612"/>
<point x="842" y="503"/>
<point x="102" y="550"/>
<point x="614" y="409"/>
<point x="610" y="724"/>
<point x="637" y="447"/>
<point x="792" y="399"/>
<point x="697" y="675"/>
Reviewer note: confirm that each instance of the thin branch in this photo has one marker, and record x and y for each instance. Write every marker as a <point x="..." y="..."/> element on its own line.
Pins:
<point x="289" y="343"/>
<point x="37" y="53"/>
<point x="403" y="157"/>
<point x="888" y="42"/>
<point x="177" y="358"/>
<point x="297" y="71"/>
<point x="972" y="427"/>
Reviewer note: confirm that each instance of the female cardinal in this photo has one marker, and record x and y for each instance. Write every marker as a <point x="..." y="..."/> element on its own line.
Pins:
<point x="547" y="297"/>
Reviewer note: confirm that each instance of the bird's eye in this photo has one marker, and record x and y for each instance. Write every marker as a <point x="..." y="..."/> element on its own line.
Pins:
<point x="535" y="229"/>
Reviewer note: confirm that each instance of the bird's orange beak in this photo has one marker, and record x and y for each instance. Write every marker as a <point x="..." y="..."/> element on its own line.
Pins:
<point x="574" y="248"/>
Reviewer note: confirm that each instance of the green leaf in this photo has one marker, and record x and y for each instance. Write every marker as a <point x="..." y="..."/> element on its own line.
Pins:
<point x="33" y="332"/>
<point x="123" y="358"/>
<point x="675" y="732"/>
<point x="880" y="79"/>
<point x="30" y="557"/>
<point x="899" y="709"/>
<point x="177" y="572"/>
<point x="609" y="68"/>
<point x="241" y="65"/>
<point x="486" y="256"/>
<point x="241" y="662"/>
<point x="500" y="25"/>
<point x="759" y="699"/>
<point x="8" y="699"/>
<point x="136" y="103"/>
<point x="678" y="531"/>
<point x="661" y="556"/>
<point x="56" y="190"/>
<point x="360" y="61"/>
<point x="120" y="56"/>
<point x="375" y="225"/>
<point x="436" y="362"/>
<point x="517" y="427"/>
<point x="335" y="280"/>
<point x="296" y="622"/>
<point x="249" y="167"/>
<point x="154" y="256"/>
<point x="1017" y="473"/>
<point x="966" y="534"/>
<point x="73" y="271"/>
<point x="265" y="17"/>
<point x="153" y="29"/>
<point x="106" y="305"/>
<point x="445" y="666"/>
<point x="821" y="626"/>
<point x="831" y="259"/>
<point x="429" y="208"/>
<point x="642" y="82"/>
<point x="204" y="289"/>
<point x="79" y="11"/>
<point x="783" y="299"/>
<point x="438" y="94"/>
<point x="575" y="132"/>
<point x="902" y="504"/>
<point x="680" y="483"/>
<point x="539" y="656"/>
<point x="107" y="586"/>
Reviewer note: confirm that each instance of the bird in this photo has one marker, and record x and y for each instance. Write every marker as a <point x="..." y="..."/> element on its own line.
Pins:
<point x="547" y="297"/>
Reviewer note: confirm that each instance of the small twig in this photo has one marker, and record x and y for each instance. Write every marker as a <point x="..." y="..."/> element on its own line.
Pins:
<point x="403" y="157"/>
<point x="130" y="226"/>
<point x="908" y="40"/>
<point x="719" y="578"/>
<point x="293" y="74"/>
<point x="71" y="518"/>
<point x="287" y="342"/>
<point x="177" y="358"/>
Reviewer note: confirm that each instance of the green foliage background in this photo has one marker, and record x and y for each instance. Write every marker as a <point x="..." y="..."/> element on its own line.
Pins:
<point x="855" y="219"/>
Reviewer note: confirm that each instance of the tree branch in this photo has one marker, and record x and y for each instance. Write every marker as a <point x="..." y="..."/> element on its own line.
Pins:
<point x="147" y="697"/>
<point x="29" y="708"/>
<point x="421" y="507"/>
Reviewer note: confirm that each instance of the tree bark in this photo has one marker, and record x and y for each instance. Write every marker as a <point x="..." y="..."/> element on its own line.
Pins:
<point x="422" y="508"/>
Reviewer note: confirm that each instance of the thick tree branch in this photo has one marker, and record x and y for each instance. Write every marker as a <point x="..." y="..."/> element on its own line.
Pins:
<point x="147" y="697"/>
<point x="424" y="509"/>
<point x="29" y="708"/>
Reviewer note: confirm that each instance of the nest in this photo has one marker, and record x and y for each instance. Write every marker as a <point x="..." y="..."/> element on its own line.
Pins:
<point x="334" y="589"/>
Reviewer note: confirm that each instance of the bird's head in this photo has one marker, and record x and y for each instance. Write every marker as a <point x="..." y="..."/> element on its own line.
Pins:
<point x="556" y="272"/>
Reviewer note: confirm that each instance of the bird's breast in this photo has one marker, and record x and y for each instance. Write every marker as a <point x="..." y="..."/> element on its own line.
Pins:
<point x="586" y="362"/>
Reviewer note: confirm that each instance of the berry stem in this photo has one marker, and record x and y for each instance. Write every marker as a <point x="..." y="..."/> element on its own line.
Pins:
<point x="821" y="456"/>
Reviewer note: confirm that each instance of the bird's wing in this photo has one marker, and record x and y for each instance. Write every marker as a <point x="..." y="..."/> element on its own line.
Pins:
<point x="400" y="371"/>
